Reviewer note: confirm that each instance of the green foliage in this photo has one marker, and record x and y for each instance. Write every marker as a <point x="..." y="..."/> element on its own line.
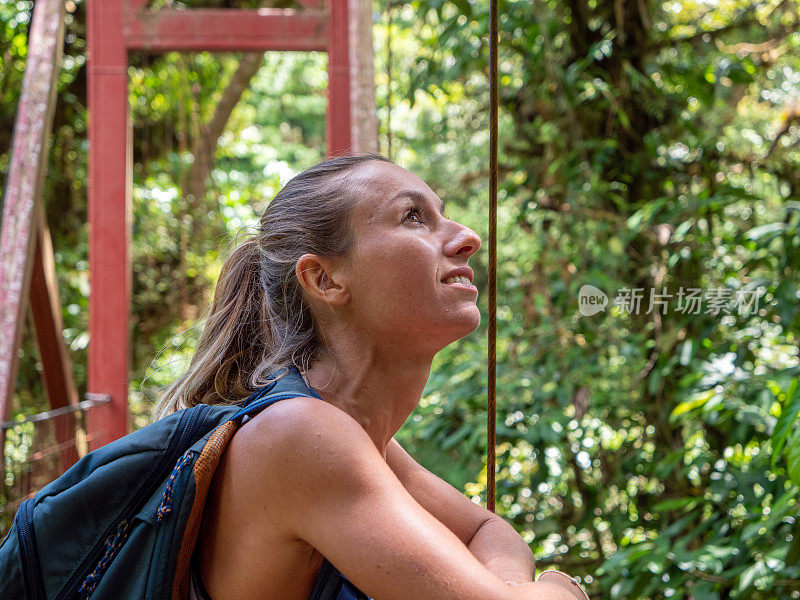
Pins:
<point x="655" y="454"/>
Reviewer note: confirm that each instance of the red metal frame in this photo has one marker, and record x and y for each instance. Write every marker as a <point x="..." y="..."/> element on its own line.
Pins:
<point x="115" y="28"/>
<point x="223" y="30"/>
<point x="27" y="270"/>
<point x="56" y="364"/>
<point x="22" y="194"/>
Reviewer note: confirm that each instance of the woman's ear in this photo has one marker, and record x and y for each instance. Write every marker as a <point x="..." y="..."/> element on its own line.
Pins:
<point x="321" y="280"/>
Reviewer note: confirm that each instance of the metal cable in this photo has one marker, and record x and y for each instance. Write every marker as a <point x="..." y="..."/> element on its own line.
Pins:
<point x="492" y="392"/>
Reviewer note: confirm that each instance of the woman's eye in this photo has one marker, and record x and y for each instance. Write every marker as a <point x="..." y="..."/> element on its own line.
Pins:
<point x="415" y="212"/>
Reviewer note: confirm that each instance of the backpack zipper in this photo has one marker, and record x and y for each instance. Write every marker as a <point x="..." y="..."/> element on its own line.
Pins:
<point x="190" y="422"/>
<point x="27" y="541"/>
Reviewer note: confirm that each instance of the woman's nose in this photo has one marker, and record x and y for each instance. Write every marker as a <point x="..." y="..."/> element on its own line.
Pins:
<point x="464" y="242"/>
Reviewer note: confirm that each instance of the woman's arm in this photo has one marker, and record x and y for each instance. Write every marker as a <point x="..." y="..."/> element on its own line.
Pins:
<point x="500" y="548"/>
<point x="327" y="484"/>
<point x="495" y="543"/>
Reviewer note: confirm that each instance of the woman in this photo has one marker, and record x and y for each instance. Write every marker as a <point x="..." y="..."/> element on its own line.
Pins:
<point x="356" y="279"/>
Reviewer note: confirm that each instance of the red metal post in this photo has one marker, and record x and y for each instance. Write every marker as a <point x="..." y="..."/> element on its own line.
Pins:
<point x="338" y="118"/>
<point x="109" y="218"/>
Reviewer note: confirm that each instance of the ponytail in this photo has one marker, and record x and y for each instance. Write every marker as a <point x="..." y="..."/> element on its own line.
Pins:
<point x="259" y="319"/>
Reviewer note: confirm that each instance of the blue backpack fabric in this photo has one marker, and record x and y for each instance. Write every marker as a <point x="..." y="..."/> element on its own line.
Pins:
<point x="122" y="523"/>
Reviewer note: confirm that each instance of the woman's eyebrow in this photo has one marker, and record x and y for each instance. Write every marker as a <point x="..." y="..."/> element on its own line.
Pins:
<point x="415" y="195"/>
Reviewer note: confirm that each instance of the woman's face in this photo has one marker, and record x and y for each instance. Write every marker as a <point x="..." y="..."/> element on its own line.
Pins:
<point x="403" y="252"/>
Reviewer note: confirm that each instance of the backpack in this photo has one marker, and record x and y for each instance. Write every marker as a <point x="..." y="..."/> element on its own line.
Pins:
<point x="123" y="521"/>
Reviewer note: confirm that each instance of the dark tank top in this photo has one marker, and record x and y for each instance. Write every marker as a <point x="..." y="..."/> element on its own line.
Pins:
<point x="330" y="583"/>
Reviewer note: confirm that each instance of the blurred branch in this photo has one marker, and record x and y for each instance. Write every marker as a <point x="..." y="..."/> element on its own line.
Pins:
<point x="582" y="36"/>
<point x="790" y="117"/>
<point x="739" y="21"/>
<point x="204" y="147"/>
<point x="483" y="174"/>
<point x="651" y="362"/>
<point x="586" y="494"/>
<point x="770" y="51"/>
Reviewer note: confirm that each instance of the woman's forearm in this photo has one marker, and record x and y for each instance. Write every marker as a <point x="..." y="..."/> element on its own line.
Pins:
<point x="502" y="551"/>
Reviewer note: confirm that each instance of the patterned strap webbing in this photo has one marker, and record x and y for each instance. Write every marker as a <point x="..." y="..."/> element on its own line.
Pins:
<point x="203" y="473"/>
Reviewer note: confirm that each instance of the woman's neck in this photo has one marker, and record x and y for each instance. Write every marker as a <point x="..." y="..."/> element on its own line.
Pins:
<point x="377" y="389"/>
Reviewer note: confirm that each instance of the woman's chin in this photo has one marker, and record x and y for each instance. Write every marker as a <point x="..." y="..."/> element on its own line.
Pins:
<point x="474" y="319"/>
<point x="466" y="322"/>
<point x="440" y="332"/>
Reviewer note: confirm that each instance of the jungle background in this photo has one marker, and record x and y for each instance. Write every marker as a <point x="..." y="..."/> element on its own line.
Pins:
<point x="643" y="144"/>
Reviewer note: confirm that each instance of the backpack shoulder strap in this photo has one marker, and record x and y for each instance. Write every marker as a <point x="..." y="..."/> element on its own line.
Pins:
<point x="290" y="385"/>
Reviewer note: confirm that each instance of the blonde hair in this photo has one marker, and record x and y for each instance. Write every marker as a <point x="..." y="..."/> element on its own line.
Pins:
<point x="259" y="320"/>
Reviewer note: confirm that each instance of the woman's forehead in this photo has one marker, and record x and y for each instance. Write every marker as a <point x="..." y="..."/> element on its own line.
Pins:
<point x="380" y="182"/>
<point x="384" y="176"/>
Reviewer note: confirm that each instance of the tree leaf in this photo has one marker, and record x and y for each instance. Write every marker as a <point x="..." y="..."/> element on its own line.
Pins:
<point x="789" y="414"/>
<point x="793" y="457"/>
<point x="695" y="401"/>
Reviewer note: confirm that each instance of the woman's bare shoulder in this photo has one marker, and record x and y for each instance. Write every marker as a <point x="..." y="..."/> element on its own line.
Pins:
<point x="298" y="422"/>
<point x="299" y="435"/>
<point x="305" y="470"/>
<point x="300" y="409"/>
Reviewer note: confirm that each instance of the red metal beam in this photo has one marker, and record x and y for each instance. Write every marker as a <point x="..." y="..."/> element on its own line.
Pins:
<point x="226" y="30"/>
<point x="135" y="5"/>
<point x="56" y="364"/>
<point x="110" y="166"/>
<point x="24" y="185"/>
<point x="46" y="309"/>
<point x="338" y="119"/>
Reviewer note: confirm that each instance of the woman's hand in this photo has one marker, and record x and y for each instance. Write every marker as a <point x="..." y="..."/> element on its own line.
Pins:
<point x="542" y="590"/>
<point x="554" y="586"/>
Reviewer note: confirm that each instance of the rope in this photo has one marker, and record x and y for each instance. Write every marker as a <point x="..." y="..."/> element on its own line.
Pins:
<point x="492" y="391"/>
